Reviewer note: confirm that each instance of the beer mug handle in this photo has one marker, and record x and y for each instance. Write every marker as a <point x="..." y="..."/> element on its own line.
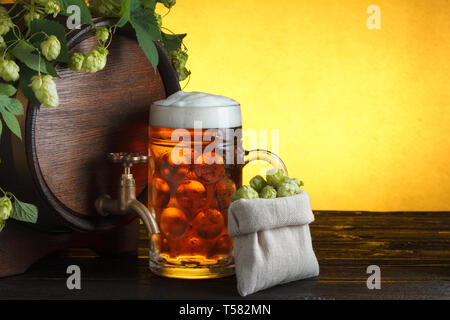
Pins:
<point x="260" y="154"/>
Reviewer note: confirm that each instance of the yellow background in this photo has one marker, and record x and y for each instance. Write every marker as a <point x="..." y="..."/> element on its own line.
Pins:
<point x="363" y="114"/>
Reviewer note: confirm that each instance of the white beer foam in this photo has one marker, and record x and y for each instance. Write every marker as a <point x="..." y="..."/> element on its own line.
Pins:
<point x="186" y="109"/>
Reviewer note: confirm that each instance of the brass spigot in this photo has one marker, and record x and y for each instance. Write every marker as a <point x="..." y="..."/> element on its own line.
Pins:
<point x="127" y="202"/>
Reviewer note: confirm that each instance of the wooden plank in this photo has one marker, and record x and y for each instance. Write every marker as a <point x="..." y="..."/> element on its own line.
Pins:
<point x="414" y="262"/>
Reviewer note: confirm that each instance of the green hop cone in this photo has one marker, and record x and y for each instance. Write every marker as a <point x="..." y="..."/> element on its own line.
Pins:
<point x="9" y="70"/>
<point x="2" y="43"/>
<point x="2" y="224"/>
<point x="51" y="48"/>
<point x="95" y="60"/>
<point x="52" y="7"/>
<point x="105" y="8"/>
<point x="5" y="21"/>
<point x="44" y="89"/>
<point x="245" y="192"/>
<point x="5" y="208"/>
<point x="274" y="177"/>
<point x="268" y="192"/>
<point x="258" y="183"/>
<point x="183" y="73"/>
<point x="286" y="189"/>
<point x="76" y="61"/>
<point x="293" y="180"/>
<point x="102" y="34"/>
<point x="30" y="16"/>
<point x="169" y="3"/>
<point x="158" y="20"/>
<point x="179" y="58"/>
<point x="3" y="47"/>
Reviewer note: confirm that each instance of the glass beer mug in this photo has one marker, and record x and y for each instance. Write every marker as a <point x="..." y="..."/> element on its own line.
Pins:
<point x="196" y="162"/>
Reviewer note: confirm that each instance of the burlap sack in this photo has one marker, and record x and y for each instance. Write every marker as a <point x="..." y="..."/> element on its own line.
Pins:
<point x="272" y="241"/>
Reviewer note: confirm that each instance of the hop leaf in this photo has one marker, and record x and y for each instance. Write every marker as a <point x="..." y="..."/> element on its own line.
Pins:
<point x="102" y="34"/>
<point x="5" y="208"/>
<point x="51" y="48"/>
<point x="5" y="21"/>
<point x="52" y="7"/>
<point x="105" y="8"/>
<point x="168" y="3"/>
<point x="44" y="89"/>
<point x="9" y="70"/>
<point x="76" y="61"/>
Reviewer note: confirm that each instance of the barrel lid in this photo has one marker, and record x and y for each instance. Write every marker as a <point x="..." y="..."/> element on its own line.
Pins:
<point x="98" y="113"/>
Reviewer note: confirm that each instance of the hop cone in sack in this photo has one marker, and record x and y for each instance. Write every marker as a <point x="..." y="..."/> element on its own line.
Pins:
<point x="286" y="189"/>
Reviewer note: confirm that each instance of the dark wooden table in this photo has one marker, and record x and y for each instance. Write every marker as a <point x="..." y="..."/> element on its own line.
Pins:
<point x="412" y="250"/>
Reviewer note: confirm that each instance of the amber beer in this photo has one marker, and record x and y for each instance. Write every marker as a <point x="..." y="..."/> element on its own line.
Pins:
<point x="190" y="200"/>
<point x="193" y="174"/>
<point x="196" y="162"/>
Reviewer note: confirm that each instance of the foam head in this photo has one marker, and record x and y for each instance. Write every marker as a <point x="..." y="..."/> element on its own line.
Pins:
<point x="186" y="109"/>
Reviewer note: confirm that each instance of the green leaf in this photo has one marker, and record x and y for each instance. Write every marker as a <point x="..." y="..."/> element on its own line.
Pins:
<point x="84" y="10"/>
<point x="25" y="79"/>
<point x="50" y="28"/>
<point x="15" y="107"/>
<point x="150" y="4"/>
<point x="145" y="19"/>
<point x="24" y="52"/>
<point x="51" y="69"/>
<point x="124" y="13"/>
<point x="7" y="89"/>
<point x="172" y="41"/>
<point x="1" y="128"/>
<point x="167" y="3"/>
<point x="11" y="122"/>
<point x="12" y="105"/>
<point x="144" y="23"/>
<point x="25" y="212"/>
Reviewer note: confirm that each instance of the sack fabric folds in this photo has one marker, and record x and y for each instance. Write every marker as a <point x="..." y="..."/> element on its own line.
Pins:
<point x="272" y="241"/>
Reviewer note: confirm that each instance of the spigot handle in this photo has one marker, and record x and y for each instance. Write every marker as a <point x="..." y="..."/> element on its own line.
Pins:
<point x="127" y="159"/>
<point x="127" y="202"/>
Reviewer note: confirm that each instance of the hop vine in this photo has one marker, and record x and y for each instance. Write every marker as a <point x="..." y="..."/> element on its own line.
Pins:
<point x="32" y="41"/>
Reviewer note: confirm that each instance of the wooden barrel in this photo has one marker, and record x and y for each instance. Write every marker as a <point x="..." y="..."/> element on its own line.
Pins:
<point x="60" y="165"/>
